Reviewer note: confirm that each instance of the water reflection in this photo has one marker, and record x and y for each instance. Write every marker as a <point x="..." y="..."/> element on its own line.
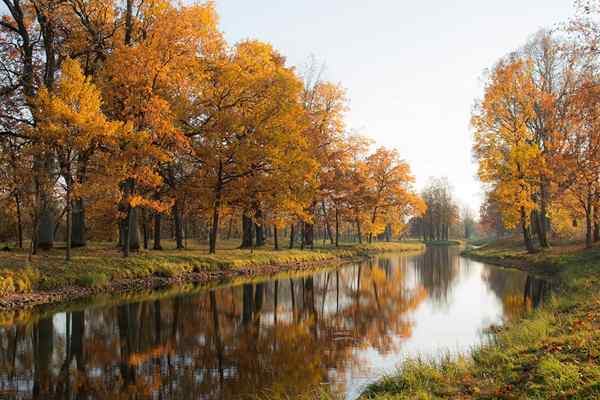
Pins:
<point x="342" y="328"/>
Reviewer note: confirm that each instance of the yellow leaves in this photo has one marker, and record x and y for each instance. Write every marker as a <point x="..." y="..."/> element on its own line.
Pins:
<point x="158" y="206"/>
<point x="70" y="117"/>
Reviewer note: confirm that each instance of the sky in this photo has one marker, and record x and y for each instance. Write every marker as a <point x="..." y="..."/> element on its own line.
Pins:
<point x="412" y="69"/>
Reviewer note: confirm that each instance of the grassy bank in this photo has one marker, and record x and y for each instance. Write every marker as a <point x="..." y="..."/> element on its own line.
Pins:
<point x="99" y="264"/>
<point x="443" y="243"/>
<point x="552" y="353"/>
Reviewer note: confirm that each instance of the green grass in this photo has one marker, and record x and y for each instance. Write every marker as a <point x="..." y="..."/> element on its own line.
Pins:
<point x="443" y="243"/>
<point x="551" y="353"/>
<point x="100" y="263"/>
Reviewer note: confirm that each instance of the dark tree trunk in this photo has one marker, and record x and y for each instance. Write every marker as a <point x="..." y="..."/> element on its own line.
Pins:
<point x="543" y="217"/>
<point x="259" y="228"/>
<point x="45" y="234"/>
<point x="526" y="232"/>
<point x="337" y="227"/>
<point x="177" y="209"/>
<point x="292" y="235"/>
<point x="230" y="228"/>
<point x="247" y="225"/>
<point x="359" y="231"/>
<point x="145" y="232"/>
<point x="78" y="238"/>
<point x="157" y="228"/>
<point x="589" y="218"/>
<point x="388" y="233"/>
<point x="275" y="237"/>
<point x="309" y="235"/>
<point x="596" y="224"/>
<point x="327" y="225"/>
<point x="216" y="209"/>
<point x="19" y="222"/>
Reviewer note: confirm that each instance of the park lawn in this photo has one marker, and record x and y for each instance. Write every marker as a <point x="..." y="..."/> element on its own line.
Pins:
<point x="100" y="263"/>
<point x="551" y="353"/>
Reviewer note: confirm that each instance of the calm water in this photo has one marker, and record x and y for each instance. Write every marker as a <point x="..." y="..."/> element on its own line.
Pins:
<point x="341" y="329"/>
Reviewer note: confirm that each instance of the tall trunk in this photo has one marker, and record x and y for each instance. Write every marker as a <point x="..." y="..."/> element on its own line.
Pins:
<point x="337" y="227"/>
<point x="526" y="233"/>
<point x="327" y="225"/>
<point x="309" y="235"/>
<point x="19" y="221"/>
<point x="145" y="232"/>
<point x="259" y="228"/>
<point x="359" y="231"/>
<point x="596" y="224"/>
<point x="230" y="227"/>
<point x="126" y="240"/>
<point x="45" y="232"/>
<point x="247" y="225"/>
<point x="78" y="238"/>
<point x="134" y="230"/>
<point x="292" y="235"/>
<point x="589" y="217"/>
<point x="216" y="209"/>
<point x="157" y="233"/>
<point x="68" y="206"/>
<point x="388" y="233"/>
<point x="543" y="216"/>
<point x="178" y="225"/>
<point x="275" y="237"/>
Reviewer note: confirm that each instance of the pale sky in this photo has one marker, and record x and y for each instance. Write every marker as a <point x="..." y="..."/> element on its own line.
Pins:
<point x="412" y="69"/>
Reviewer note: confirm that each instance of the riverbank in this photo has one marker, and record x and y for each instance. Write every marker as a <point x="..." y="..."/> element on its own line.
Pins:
<point x="551" y="353"/>
<point x="100" y="268"/>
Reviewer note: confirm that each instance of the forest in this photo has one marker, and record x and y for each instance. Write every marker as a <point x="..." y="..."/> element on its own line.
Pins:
<point x="133" y="121"/>
<point x="536" y="137"/>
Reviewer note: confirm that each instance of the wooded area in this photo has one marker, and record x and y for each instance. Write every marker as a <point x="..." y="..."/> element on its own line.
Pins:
<point x="537" y="135"/>
<point x="137" y="120"/>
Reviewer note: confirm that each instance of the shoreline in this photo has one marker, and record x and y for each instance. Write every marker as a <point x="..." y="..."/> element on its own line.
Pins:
<point x="543" y="270"/>
<point x="550" y="352"/>
<point x="158" y="280"/>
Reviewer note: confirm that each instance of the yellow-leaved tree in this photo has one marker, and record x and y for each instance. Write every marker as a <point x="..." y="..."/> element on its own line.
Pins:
<point x="70" y="123"/>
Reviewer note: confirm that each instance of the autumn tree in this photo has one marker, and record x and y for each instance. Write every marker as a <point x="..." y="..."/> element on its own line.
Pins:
<point x="70" y="124"/>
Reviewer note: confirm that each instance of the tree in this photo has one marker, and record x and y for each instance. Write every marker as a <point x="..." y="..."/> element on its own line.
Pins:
<point x="70" y="124"/>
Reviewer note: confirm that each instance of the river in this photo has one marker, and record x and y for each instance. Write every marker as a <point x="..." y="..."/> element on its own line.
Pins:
<point x="335" y="330"/>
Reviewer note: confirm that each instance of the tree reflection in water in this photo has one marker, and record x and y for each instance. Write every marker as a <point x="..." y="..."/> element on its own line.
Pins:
<point x="284" y="336"/>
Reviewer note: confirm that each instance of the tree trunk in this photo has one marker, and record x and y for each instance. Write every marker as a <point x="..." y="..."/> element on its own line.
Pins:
<point x="359" y="231"/>
<point x="19" y="222"/>
<point x="215" y="220"/>
<point x="45" y="234"/>
<point x="145" y="232"/>
<point x="327" y="225"/>
<point x="178" y="225"/>
<point x="309" y="235"/>
<point x="68" y="206"/>
<point x="275" y="237"/>
<point x="125" y="232"/>
<point x="247" y="239"/>
<point x="230" y="228"/>
<point x="526" y="233"/>
<point x="543" y="217"/>
<point x="589" y="217"/>
<point x="292" y="235"/>
<point x="259" y="228"/>
<point x="157" y="226"/>
<point x="596" y="224"/>
<point x="78" y="238"/>
<point x="337" y="227"/>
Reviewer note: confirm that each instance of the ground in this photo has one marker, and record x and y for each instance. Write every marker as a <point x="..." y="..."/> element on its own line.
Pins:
<point x="550" y="353"/>
<point x="99" y="264"/>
